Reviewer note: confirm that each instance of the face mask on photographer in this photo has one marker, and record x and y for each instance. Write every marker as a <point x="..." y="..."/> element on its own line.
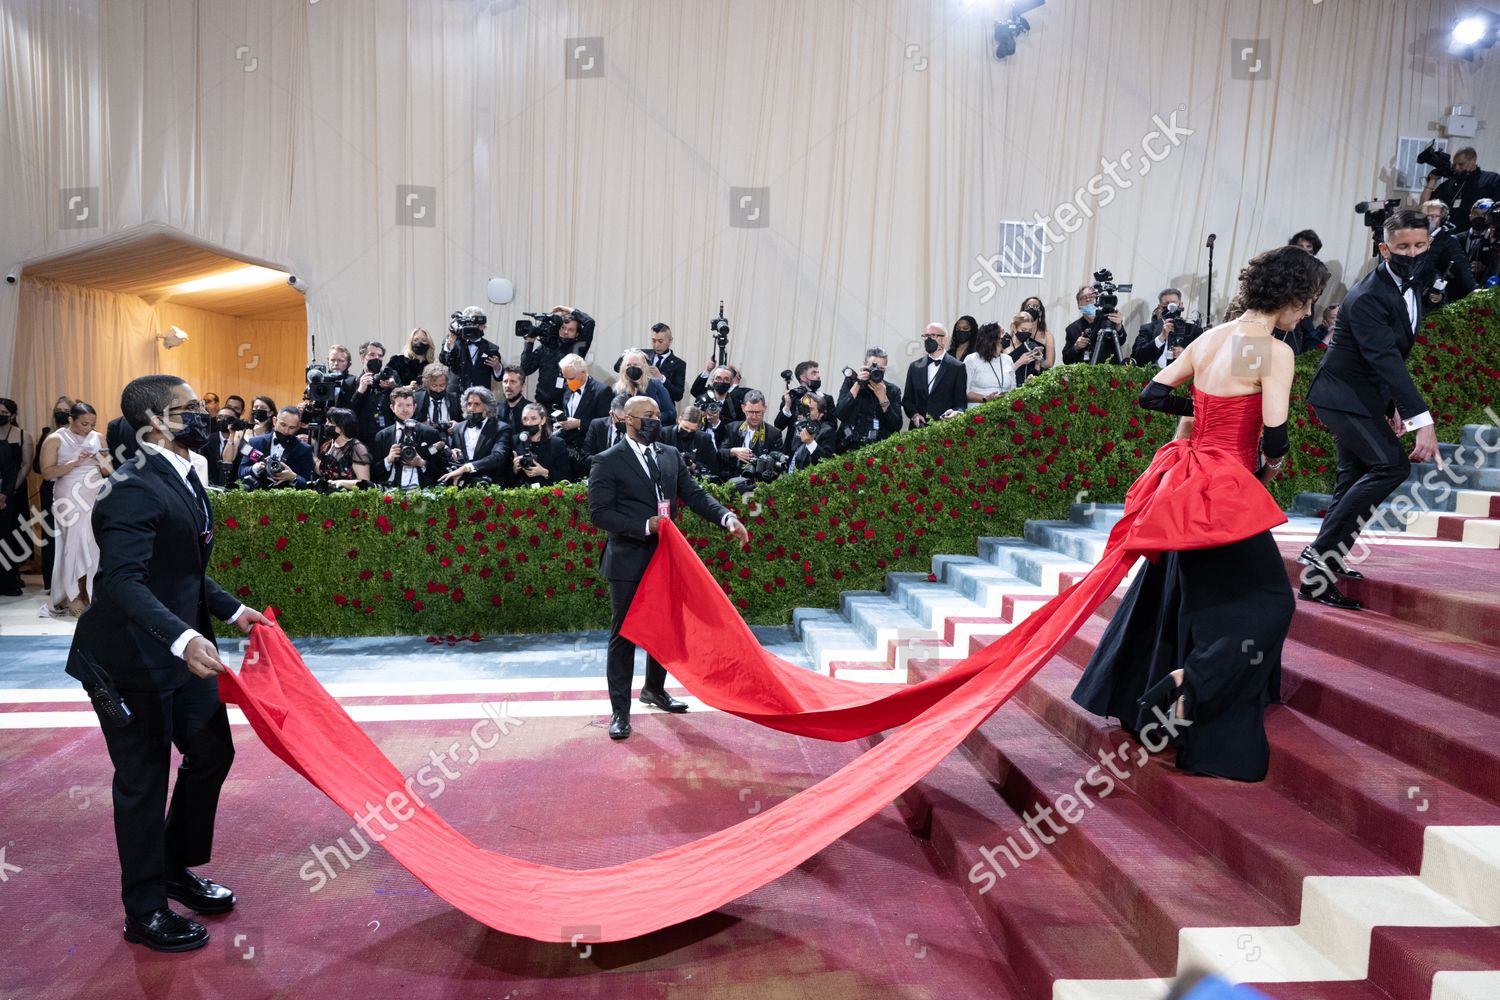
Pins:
<point x="476" y="420"/>
<point x="722" y="388"/>
<point x="930" y="345"/>
<point x="534" y="430"/>
<point x="634" y="373"/>
<point x="285" y="440"/>
<point x="1089" y="310"/>
<point x="815" y="385"/>
<point x="574" y="384"/>
<point x="224" y="423"/>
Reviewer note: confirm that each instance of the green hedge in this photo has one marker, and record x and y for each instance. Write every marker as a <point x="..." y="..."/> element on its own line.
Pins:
<point x="452" y="563"/>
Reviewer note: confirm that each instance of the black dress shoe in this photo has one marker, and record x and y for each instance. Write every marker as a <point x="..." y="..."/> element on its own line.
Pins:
<point x="1324" y="592"/>
<point x="663" y="701"/>
<point x="619" y="726"/>
<point x="164" y="930"/>
<point x="1344" y="571"/>
<point x="199" y="894"/>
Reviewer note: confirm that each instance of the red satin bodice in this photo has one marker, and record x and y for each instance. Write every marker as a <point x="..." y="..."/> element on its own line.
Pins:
<point x="1229" y="423"/>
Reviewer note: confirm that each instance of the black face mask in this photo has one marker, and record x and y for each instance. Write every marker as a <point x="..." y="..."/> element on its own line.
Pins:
<point x="285" y="440"/>
<point x="929" y="345"/>
<point x="260" y="416"/>
<point x="195" y="432"/>
<point x="419" y="349"/>
<point x="223" y="423"/>
<point x="59" y="418"/>
<point x="476" y="420"/>
<point x="1413" y="271"/>
<point x="634" y="373"/>
<point x="650" y="429"/>
<point x="619" y="426"/>
<point x="815" y="385"/>
<point x="535" y="430"/>
<point x="722" y="388"/>
<point x="5" y="420"/>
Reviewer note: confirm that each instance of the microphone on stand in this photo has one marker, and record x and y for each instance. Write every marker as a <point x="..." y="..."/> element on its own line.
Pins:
<point x="1208" y="308"/>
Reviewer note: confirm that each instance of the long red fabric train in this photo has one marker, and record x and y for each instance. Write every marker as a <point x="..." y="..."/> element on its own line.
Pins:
<point x="303" y="725"/>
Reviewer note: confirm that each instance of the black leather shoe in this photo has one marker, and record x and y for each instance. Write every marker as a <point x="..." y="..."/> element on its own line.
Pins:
<point x="164" y="930"/>
<point x="619" y="726"/>
<point x="199" y="894"/>
<point x="1344" y="571"/>
<point x="1324" y="592"/>
<point x="663" y="701"/>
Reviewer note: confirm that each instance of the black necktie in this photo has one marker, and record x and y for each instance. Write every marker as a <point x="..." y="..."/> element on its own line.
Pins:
<point x="655" y="471"/>
<point x="206" y="531"/>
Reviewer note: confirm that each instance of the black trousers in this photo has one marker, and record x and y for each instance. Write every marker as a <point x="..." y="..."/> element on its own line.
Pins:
<point x="48" y="549"/>
<point x="1371" y="464"/>
<point x="15" y="548"/>
<point x="153" y="839"/>
<point x="621" y="664"/>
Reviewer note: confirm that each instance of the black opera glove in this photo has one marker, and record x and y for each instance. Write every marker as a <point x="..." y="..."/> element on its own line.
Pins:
<point x="1158" y="396"/>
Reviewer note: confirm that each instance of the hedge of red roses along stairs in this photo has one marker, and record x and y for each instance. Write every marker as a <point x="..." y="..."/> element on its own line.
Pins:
<point x="462" y="562"/>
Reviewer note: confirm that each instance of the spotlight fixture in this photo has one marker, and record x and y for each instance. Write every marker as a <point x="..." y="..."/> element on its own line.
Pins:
<point x="1478" y="30"/>
<point x="174" y="337"/>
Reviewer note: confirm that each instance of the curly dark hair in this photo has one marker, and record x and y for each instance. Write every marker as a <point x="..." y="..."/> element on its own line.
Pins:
<point x="1279" y="278"/>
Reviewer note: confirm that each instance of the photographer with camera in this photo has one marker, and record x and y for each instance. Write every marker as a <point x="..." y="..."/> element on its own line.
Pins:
<point x="869" y="407"/>
<point x="990" y="371"/>
<point x="824" y="433"/>
<point x="472" y="359"/>
<point x="1161" y="341"/>
<point x="662" y="366"/>
<point x="937" y="385"/>
<point x="713" y="423"/>
<point x="607" y="431"/>
<point x="717" y="386"/>
<point x="344" y="463"/>
<point x="371" y="403"/>
<point x="746" y="440"/>
<point x="481" y="449"/>
<point x="224" y="447"/>
<point x="541" y="458"/>
<point x="697" y="446"/>
<point x="552" y="337"/>
<point x="635" y="380"/>
<point x="437" y="405"/>
<point x="412" y="454"/>
<point x="1455" y="276"/>
<point x="809" y="383"/>
<point x="585" y="400"/>
<point x="278" y="458"/>
<point x="1097" y="335"/>
<point x="1462" y="182"/>
<point x="342" y="381"/>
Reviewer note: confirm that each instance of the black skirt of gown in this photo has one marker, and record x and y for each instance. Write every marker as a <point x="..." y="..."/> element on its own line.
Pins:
<point x="1222" y="615"/>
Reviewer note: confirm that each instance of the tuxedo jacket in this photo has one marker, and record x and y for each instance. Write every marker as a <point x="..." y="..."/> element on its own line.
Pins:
<point x="511" y="415"/>
<point x="298" y="457"/>
<point x="593" y="403"/>
<point x="492" y="452"/>
<point x="430" y="444"/>
<point x="466" y="371"/>
<point x="950" y="390"/>
<point x="734" y="437"/>
<point x="622" y="499"/>
<point x="152" y="584"/>
<point x="598" y="436"/>
<point x="702" y="446"/>
<point x="424" y="400"/>
<point x="1364" y="371"/>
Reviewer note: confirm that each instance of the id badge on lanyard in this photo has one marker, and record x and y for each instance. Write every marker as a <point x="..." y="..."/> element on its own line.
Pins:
<point x="664" y="509"/>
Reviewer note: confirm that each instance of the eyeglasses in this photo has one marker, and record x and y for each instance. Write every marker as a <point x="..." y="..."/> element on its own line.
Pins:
<point x="196" y="406"/>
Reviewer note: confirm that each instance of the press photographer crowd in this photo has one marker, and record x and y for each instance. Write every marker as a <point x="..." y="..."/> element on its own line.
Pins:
<point x="455" y="411"/>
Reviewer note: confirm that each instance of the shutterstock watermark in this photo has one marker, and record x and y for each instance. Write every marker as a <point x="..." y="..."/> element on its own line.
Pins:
<point x="1068" y="216"/>
<point x="401" y="804"/>
<point x="1071" y="807"/>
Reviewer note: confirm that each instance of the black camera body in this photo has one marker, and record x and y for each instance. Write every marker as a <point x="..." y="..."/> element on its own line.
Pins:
<point x="764" y="468"/>
<point x="545" y="327"/>
<point x="322" y="385"/>
<point x="1438" y="159"/>
<point x="1106" y="291"/>
<point x="719" y="327"/>
<point x="408" y="441"/>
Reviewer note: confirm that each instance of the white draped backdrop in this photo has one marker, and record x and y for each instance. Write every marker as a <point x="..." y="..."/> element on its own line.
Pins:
<point x="891" y="142"/>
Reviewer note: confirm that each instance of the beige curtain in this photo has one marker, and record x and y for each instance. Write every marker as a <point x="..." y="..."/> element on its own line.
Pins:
<point x="227" y="354"/>
<point x="890" y="140"/>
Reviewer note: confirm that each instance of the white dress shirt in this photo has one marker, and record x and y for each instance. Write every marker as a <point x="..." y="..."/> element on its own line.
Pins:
<point x="1423" y="419"/>
<point x="640" y="456"/>
<point x="182" y="466"/>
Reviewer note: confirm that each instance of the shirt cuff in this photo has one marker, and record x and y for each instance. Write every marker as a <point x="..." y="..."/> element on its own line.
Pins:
<point x="236" y="616"/>
<point x="724" y="521"/>
<point x="180" y="646"/>
<point x="1423" y="419"/>
<point x="648" y="527"/>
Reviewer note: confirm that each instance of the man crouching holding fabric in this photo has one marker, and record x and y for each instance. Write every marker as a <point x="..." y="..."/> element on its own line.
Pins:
<point x="632" y="487"/>
<point x="144" y="650"/>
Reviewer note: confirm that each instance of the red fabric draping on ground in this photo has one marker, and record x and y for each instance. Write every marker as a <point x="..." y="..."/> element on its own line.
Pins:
<point x="304" y="726"/>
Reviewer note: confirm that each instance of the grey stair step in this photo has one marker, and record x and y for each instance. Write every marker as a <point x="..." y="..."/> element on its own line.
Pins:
<point x="1082" y="543"/>
<point x="1024" y="559"/>
<point x="872" y="613"/>
<point x="1096" y="515"/>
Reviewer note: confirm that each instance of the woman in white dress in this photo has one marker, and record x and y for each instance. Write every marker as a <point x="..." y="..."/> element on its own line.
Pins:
<point x="74" y="459"/>
<point x="991" y="372"/>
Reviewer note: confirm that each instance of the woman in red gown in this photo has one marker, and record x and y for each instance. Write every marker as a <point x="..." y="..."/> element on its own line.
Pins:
<point x="1198" y="637"/>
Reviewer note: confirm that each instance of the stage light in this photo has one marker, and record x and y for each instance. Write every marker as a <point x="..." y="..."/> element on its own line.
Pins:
<point x="174" y="337"/>
<point x="1474" y="31"/>
<point x="244" y="276"/>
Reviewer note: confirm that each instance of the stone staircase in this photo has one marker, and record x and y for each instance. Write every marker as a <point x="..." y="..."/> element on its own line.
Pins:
<point x="1366" y="865"/>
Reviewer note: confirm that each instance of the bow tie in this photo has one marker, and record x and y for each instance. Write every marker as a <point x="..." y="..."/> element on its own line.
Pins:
<point x="934" y="361"/>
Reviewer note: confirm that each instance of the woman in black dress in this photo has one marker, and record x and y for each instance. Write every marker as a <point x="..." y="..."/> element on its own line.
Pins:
<point x="1196" y="645"/>
<point x="15" y="461"/>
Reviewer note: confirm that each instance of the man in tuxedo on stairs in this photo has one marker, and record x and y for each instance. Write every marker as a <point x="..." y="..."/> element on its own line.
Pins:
<point x="1364" y="394"/>
<point x="144" y="650"/>
<point x="633" y="486"/>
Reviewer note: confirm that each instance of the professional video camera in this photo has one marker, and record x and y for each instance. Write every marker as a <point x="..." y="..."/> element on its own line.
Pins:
<point x="323" y="385"/>
<point x="764" y="469"/>
<point x="468" y="324"/>
<point x="1438" y="159"/>
<point x="1104" y="335"/>
<point x="1375" y="213"/>
<point x="719" y="327"/>
<point x="545" y="327"/>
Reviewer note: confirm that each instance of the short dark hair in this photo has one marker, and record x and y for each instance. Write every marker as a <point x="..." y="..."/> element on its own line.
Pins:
<point x="803" y="367"/>
<point x="618" y="403"/>
<point x="876" y="352"/>
<point x="234" y="396"/>
<point x="402" y="392"/>
<point x="147" y="395"/>
<point x="1281" y="277"/>
<point x="79" y="408"/>
<point x="1406" y="218"/>
<point x="660" y="328"/>
<point x="513" y="370"/>
<point x="1167" y="291"/>
<point x="1311" y="237"/>
<point x="294" y="410"/>
<point x="344" y="420"/>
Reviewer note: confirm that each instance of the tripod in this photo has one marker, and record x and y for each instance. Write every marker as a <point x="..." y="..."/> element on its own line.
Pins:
<point x="1106" y="335"/>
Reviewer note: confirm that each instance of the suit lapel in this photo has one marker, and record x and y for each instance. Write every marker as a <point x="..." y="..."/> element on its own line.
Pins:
<point x="179" y="489"/>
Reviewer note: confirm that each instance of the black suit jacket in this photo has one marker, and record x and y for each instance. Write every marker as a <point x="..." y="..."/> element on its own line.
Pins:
<point x="593" y="403"/>
<point x="858" y="414"/>
<point x="507" y="414"/>
<point x="597" y="438"/>
<point x="465" y="372"/>
<point x="152" y="584"/>
<point x="1364" y="371"/>
<point x="298" y="457"/>
<point x="429" y="442"/>
<point x="950" y="390"/>
<point x="492" y="452"/>
<point x="118" y="435"/>
<point x="454" y="403"/>
<point x="734" y="437"/>
<point x="701" y="445"/>
<point x="622" y="499"/>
